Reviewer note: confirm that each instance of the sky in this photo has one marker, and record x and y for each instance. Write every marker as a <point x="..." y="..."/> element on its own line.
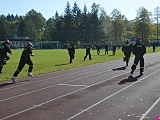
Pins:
<point x="48" y="8"/>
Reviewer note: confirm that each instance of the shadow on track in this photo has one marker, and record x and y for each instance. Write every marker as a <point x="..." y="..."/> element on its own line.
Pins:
<point x="120" y="68"/>
<point x="62" y="64"/>
<point x="130" y="79"/>
<point x="6" y="84"/>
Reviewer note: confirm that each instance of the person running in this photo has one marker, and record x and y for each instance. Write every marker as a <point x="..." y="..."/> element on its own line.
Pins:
<point x="71" y="51"/>
<point x="127" y="50"/>
<point x="138" y="50"/>
<point x="88" y="49"/>
<point x="25" y="59"/>
<point x="4" y="49"/>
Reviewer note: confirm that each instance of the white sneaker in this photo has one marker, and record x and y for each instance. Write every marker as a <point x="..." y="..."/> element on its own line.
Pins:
<point x="13" y="79"/>
<point x="30" y="74"/>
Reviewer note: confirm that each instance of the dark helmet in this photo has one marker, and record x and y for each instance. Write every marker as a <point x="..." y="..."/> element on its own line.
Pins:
<point x="29" y="44"/>
<point x="137" y="39"/>
<point x="127" y="41"/>
<point x="7" y="41"/>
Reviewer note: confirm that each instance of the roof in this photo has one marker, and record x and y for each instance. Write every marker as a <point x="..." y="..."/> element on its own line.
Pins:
<point x="17" y="39"/>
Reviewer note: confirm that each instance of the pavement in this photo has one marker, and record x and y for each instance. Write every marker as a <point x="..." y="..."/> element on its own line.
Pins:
<point x="104" y="91"/>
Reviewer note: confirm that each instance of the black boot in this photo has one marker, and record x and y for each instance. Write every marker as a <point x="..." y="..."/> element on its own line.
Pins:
<point x="132" y="71"/>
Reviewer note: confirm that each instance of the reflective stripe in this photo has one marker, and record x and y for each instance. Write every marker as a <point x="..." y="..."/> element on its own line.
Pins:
<point x="127" y="45"/>
<point x="139" y="45"/>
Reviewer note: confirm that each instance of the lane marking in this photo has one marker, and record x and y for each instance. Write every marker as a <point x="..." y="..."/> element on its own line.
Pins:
<point x="111" y="96"/>
<point x="35" y="106"/>
<point x="50" y="78"/>
<point x="146" y="113"/>
<point x="69" y="74"/>
<point x="50" y="86"/>
<point x="75" y="92"/>
<point x="73" y="85"/>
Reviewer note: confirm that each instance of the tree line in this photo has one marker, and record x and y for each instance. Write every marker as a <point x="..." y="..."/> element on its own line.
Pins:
<point x="80" y="26"/>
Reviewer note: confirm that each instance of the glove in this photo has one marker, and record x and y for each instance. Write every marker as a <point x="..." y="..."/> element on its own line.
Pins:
<point x="7" y="58"/>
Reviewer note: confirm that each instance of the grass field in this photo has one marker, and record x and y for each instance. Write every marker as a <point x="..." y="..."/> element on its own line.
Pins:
<point x="46" y="61"/>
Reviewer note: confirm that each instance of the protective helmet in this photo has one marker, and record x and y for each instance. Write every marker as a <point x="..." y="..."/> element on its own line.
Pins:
<point x="7" y="41"/>
<point x="29" y="44"/>
<point x="127" y="41"/>
<point x="137" y="39"/>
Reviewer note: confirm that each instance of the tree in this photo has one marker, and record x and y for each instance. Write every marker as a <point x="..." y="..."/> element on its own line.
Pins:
<point x="85" y="26"/>
<point x="59" y="28"/>
<point x="96" y="28"/>
<point x="118" y="24"/>
<point x="4" y="27"/>
<point x="157" y="17"/>
<point x="77" y="19"/>
<point x="68" y="21"/>
<point x="30" y="29"/>
<point x="39" y="22"/>
<point x="21" y="30"/>
<point x="143" y="24"/>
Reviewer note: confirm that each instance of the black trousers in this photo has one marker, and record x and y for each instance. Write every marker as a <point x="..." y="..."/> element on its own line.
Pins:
<point x="136" y="61"/>
<point x="2" y="62"/>
<point x="71" y="55"/>
<point x="87" y="55"/>
<point x="98" y="51"/>
<point x="106" y="51"/>
<point x="127" y="56"/>
<point x="22" y="64"/>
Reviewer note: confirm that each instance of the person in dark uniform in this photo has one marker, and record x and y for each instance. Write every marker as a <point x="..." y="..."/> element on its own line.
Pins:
<point x="138" y="50"/>
<point x="88" y="49"/>
<point x="98" y="49"/>
<point x="106" y="48"/>
<point x="127" y="50"/>
<point x="154" y="46"/>
<point x="71" y="51"/>
<point x="4" y="49"/>
<point x="25" y="59"/>
<point x="114" y="49"/>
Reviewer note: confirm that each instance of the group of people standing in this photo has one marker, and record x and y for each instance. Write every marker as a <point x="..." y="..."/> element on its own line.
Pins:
<point x="138" y="49"/>
<point x="106" y="48"/>
<point x="25" y="58"/>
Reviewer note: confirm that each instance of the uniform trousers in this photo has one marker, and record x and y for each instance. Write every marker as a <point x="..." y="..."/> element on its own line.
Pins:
<point x="22" y="64"/>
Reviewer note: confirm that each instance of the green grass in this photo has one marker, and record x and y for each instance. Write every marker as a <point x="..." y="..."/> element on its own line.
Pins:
<point x="46" y="61"/>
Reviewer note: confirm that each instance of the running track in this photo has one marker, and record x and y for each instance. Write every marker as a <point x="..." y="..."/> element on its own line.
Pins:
<point x="102" y="91"/>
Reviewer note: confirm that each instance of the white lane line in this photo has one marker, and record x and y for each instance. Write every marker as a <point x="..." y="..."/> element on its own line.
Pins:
<point x="50" y="86"/>
<point x="73" y="85"/>
<point x="50" y="79"/>
<point x="154" y="104"/>
<point x="67" y="74"/>
<point x="110" y="96"/>
<point x="35" y="106"/>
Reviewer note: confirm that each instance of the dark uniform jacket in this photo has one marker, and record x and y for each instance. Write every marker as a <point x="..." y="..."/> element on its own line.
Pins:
<point x="3" y="50"/>
<point x="139" y="49"/>
<point x="26" y="53"/>
<point x="88" y="50"/>
<point x="127" y="48"/>
<point x="71" y="50"/>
